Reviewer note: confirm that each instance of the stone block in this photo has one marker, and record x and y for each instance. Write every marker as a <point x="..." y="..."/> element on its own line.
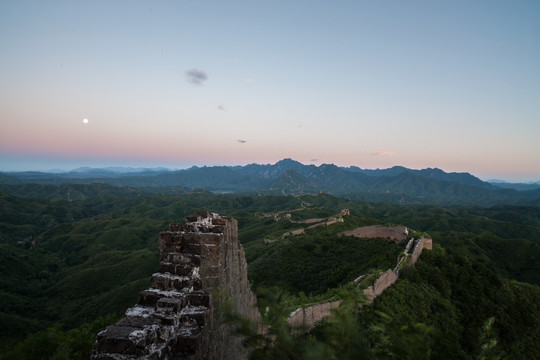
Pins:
<point x="137" y="321"/>
<point x="149" y="298"/>
<point x="198" y="298"/>
<point x="216" y="229"/>
<point x="167" y="267"/>
<point x="210" y="238"/>
<point x="160" y="281"/>
<point x="219" y="221"/>
<point x="165" y="243"/>
<point x="116" y="339"/>
<point x="167" y="319"/>
<point x="204" y="214"/>
<point x="169" y="305"/>
<point x="191" y="244"/>
<point x="169" y="242"/>
<point x="191" y="219"/>
<point x="187" y="341"/>
<point x="181" y="258"/>
<point x="195" y="315"/>
<point x="180" y="282"/>
<point x="169" y="282"/>
<point x="183" y="270"/>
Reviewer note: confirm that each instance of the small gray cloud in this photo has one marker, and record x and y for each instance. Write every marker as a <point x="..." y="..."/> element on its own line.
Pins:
<point x="196" y="77"/>
<point x="314" y="160"/>
<point x="221" y="107"/>
<point x="241" y="141"/>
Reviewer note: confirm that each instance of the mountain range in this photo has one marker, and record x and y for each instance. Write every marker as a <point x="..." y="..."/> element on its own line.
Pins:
<point x="397" y="184"/>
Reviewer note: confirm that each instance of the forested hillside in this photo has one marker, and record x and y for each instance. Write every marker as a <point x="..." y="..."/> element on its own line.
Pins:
<point x="71" y="261"/>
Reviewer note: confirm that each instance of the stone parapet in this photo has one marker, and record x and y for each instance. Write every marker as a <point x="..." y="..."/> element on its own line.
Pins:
<point x="306" y="318"/>
<point x="421" y="244"/>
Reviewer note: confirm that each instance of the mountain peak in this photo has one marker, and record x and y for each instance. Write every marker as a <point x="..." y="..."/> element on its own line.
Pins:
<point x="288" y="162"/>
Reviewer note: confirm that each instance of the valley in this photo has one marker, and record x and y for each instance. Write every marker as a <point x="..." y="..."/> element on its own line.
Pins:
<point x="70" y="267"/>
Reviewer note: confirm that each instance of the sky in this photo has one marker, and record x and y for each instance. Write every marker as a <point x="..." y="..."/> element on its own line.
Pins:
<point x="447" y="84"/>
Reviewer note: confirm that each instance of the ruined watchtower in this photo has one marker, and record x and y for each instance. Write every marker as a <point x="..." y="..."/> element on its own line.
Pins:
<point x="202" y="265"/>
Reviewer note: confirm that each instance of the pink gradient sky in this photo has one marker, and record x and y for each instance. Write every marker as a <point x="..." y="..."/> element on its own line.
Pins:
<point x="418" y="84"/>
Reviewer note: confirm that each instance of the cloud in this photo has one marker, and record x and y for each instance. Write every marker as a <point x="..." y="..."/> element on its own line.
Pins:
<point x="241" y="141"/>
<point x="314" y="160"/>
<point x="196" y="77"/>
<point x="221" y="107"/>
<point x="249" y="80"/>
<point x="385" y="153"/>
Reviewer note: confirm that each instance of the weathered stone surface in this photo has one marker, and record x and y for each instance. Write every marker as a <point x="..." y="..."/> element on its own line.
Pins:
<point x="421" y="244"/>
<point x="181" y="258"/>
<point x="197" y="314"/>
<point x="396" y="233"/>
<point x="117" y="339"/>
<point x="169" y="305"/>
<point x="169" y="282"/>
<point x="138" y="321"/>
<point x="149" y="298"/>
<point x="198" y="298"/>
<point x="382" y="283"/>
<point x="209" y="271"/>
<point x="308" y="317"/>
<point x="187" y="341"/>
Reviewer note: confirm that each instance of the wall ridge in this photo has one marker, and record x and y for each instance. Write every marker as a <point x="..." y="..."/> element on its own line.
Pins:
<point x="304" y="319"/>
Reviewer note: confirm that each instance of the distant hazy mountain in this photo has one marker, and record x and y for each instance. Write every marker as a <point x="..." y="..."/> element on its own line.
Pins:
<point x="275" y="171"/>
<point x="396" y="184"/>
<point x="430" y="173"/>
<point x="118" y="170"/>
<point x="516" y="186"/>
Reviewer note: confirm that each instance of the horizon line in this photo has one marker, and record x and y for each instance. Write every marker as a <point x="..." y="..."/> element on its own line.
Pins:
<point x="140" y="168"/>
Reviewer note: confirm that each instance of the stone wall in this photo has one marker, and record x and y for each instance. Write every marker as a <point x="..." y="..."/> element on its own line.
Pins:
<point x="202" y="265"/>
<point x="383" y="282"/>
<point x="305" y="319"/>
<point x="421" y="244"/>
<point x="396" y="233"/>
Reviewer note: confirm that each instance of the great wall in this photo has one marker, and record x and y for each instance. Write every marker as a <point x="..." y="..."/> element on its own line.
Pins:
<point x="306" y="318"/>
<point x="202" y="266"/>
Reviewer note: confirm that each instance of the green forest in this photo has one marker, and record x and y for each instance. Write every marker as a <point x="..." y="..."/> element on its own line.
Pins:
<point x="70" y="267"/>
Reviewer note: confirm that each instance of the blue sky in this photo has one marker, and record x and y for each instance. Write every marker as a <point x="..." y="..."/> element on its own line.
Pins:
<point x="453" y="85"/>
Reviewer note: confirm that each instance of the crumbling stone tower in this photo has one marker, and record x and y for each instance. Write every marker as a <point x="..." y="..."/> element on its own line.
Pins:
<point x="202" y="265"/>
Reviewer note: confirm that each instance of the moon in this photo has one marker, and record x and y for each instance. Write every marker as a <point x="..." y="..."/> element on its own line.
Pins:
<point x="85" y="121"/>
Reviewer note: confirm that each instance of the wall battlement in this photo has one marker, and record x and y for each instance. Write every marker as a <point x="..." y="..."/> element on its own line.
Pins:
<point x="202" y="265"/>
